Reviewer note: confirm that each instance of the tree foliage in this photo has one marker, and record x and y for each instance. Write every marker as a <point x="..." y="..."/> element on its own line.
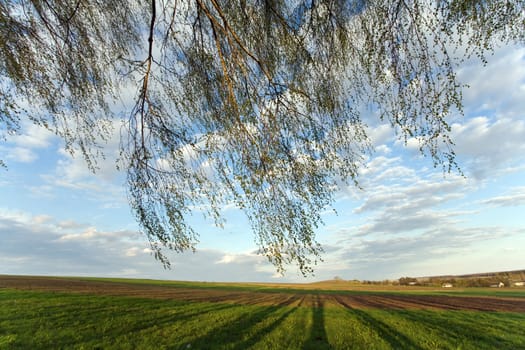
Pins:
<point x="250" y="102"/>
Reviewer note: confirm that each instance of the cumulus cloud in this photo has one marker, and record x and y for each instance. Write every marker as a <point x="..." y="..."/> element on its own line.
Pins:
<point x="489" y="141"/>
<point x="74" y="167"/>
<point x="105" y="186"/>
<point x="69" y="224"/>
<point x="487" y="147"/>
<point x="24" y="146"/>
<point x="32" y="136"/>
<point x="240" y="258"/>
<point x="70" y="171"/>
<point x="499" y="86"/>
<point x="35" y="242"/>
<point x="380" y="135"/>
<point x="408" y="216"/>
<point x="391" y="182"/>
<point x="515" y="197"/>
<point x="134" y="251"/>
<point x="413" y="255"/>
<point x="92" y="234"/>
<point x="21" y="155"/>
<point x="39" y="244"/>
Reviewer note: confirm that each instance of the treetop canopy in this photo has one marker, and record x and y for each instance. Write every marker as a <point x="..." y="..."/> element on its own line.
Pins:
<point x="251" y="102"/>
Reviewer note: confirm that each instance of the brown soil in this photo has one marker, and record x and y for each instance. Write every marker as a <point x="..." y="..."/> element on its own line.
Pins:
<point x="314" y="299"/>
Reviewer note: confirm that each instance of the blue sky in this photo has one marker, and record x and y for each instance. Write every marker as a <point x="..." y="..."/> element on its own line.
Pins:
<point x="409" y="219"/>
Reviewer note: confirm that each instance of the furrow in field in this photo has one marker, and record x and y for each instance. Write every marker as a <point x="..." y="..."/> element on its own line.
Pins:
<point x="315" y="299"/>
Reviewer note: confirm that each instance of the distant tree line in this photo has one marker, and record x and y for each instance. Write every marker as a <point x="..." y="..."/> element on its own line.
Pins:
<point x="478" y="280"/>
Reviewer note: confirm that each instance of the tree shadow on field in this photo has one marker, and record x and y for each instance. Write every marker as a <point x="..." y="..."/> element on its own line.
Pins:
<point x="318" y="338"/>
<point x="468" y="327"/>
<point x="390" y="335"/>
<point x="124" y="322"/>
<point x="234" y="333"/>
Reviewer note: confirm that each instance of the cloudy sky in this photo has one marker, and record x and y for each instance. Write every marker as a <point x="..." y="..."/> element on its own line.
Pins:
<point x="409" y="219"/>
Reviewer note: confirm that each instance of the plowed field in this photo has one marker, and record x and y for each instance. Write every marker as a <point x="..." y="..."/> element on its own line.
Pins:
<point x="382" y="300"/>
<point x="83" y="313"/>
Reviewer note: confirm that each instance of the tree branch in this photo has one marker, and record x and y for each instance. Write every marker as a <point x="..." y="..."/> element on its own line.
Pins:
<point x="145" y="81"/>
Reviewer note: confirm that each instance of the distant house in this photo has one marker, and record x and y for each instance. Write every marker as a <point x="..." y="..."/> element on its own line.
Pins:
<point x="499" y="285"/>
<point x="519" y="284"/>
<point x="447" y="285"/>
<point x="413" y="283"/>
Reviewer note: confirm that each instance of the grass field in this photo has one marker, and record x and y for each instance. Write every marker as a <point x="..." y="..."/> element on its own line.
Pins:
<point x="55" y="313"/>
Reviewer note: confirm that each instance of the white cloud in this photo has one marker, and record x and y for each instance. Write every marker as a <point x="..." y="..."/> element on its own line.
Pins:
<point x="21" y="155"/>
<point x="486" y="147"/>
<point x="396" y="256"/>
<point x="498" y="86"/>
<point x="133" y="251"/>
<point x="93" y="234"/>
<point x="42" y="191"/>
<point x="71" y="172"/>
<point x="74" y="168"/>
<point x="42" y="219"/>
<point x="23" y="147"/>
<point x="32" y="136"/>
<point x="406" y="217"/>
<point x="515" y="197"/>
<point x="383" y="149"/>
<point x="38" y="245"/>
<point x="380" y="134"/>
<point x="241" y="258"/>
<point x="69" y="224"/>
<point x="391" y="183"/>
<point x="490" y="140"/>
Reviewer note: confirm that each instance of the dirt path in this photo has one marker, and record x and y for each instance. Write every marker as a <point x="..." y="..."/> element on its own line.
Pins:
<point x="314" y="299"/>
